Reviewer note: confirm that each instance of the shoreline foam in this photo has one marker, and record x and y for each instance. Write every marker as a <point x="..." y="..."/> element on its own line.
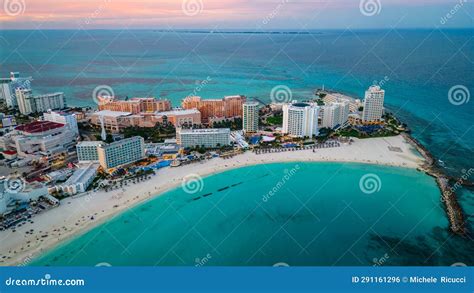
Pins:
<point x="73" y="217"/>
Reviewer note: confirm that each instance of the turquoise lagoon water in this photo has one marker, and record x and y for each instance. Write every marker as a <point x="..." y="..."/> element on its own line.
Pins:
<point x="319" y="216"/>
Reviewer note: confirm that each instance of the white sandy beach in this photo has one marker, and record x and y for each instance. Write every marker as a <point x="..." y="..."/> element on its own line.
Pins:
<point x="74" y="215"/>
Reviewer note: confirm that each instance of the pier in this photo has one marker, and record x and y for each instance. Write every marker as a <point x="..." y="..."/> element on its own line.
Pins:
<point x="448" y="194"/>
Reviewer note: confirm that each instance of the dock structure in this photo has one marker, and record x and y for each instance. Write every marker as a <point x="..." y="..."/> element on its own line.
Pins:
<point x="448" y="195"/>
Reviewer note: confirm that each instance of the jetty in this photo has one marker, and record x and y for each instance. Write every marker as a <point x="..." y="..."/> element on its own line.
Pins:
<point x="448" y="192"/>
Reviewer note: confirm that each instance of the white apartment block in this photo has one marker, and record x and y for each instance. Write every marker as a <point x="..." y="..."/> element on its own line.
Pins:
<point x="27" y="103"/>
<point x="69" y="119"/>
<point x="209" y="138"/>
<point x="373" y="104"/>
<point x="5" y="92"/>
<point x="250" y="117"/>
<point x="335" y="114"/>
<point x="300" y="119"/>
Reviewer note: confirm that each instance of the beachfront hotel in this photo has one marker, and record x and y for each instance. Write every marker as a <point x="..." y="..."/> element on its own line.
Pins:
<point x="227" y="108"/>
<point x="27" y="103"/>
<point x="115" y="121"/>
<point x="373" y="104"/>
<point x="135" y="105"/>
<point x="80" y="180"/>
<point x="334" y="115"/>
<point x="250" y="117"/>
<point x="209" y="138"/>
<point x="87" y="151"/>
<point x="112" y="155"/>
<point x="300" y="119"/>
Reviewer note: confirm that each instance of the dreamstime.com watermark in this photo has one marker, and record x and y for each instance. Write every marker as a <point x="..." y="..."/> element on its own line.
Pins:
<point x="381" y="83"/>
<point x="286" y="177"/>
<point x="464" y="178"/>
<point x="200" y="86"/>
<point x="97" y="12"/>
<point x="380" y="261"/>
<point x="445" y="18"/>
<point x="200" y="262"/>
<point x="274" y="12"/>
<point x="46" y="281"/>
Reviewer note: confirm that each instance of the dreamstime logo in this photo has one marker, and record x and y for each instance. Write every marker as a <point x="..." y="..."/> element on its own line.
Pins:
<point x="103" y="264"/>
<point x="281" y="94"/>
<point x="370" y="183"/>
<point x="459" y="95"/>
<point x="370" y="7"/>
<point x="192" y="7"/>
<point x="192" y="184"/>
<point x="281" y="264"/>
<point x="14" y="7"/>
<point x="102" y="93"/>
<point x="14" y="184"/>
<point x="459" y="264"/>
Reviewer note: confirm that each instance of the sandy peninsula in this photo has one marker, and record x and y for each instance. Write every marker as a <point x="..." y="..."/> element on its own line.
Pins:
<point x="81" y="213"/>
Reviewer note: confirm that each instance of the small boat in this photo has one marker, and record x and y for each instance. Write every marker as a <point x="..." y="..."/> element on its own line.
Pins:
<point x="175" y="163"/>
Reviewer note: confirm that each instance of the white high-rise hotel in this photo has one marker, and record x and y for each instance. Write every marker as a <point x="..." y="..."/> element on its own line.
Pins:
<point x="335" y="114"/>
<point x="250" y="117"/>
<point x="300" y="119"/>
<point x="373" y="104"/>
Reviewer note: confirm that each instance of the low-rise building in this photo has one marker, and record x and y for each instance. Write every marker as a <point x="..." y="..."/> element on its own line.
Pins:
<point x="180" y="117"/>
<point x="38" y="138"/>
<point x="80" y="180"/>
<point x="209" y="138"/>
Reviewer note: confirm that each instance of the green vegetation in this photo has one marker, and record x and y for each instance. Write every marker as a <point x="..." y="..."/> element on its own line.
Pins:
<point x="235" y="124"/>
<point x="158" y="133"/>
<point x="275" y="120"/>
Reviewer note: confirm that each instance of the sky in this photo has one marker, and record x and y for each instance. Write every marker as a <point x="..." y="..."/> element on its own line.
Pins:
<point x="235" y="14"/>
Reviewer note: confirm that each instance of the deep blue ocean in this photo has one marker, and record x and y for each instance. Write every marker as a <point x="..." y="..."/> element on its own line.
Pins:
<point x="416" y="67"/>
